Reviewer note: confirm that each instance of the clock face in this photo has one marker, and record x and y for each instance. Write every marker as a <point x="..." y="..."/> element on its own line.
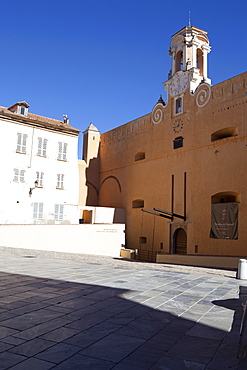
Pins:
<point x="179" y="83"/>
<point x="178" y="125"/>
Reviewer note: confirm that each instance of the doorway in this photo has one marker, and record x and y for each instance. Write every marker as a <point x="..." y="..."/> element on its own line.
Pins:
<point x="180" y="241"/>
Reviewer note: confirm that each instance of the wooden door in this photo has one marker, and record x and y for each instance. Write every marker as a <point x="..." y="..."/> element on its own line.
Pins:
<point x="180" y="241"/>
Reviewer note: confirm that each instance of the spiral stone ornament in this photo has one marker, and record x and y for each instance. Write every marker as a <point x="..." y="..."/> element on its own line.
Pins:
<point x="203" y="96"/>
<point x="157" y="114"/>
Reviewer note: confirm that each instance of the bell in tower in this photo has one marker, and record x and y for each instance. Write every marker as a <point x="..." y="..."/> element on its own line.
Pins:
<point x="189" y="49"/>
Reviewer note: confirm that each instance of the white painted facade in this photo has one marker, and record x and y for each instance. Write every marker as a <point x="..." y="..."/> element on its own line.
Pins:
<point x="39" y="169"/>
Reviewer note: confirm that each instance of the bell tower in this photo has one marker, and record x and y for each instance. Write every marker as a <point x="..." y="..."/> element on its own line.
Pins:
<point x="189" y="49"/>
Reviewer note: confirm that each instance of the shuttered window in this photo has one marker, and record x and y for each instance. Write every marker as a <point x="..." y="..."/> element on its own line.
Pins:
<point x="60" y="181"/>
<point x="21" y="143"/>
<point x="38" y="210"/>
<point x="62" y="151"/>
<point x="19" y="175"/>
<point x="42" y="146"/>
<point x="58" y="215"/>
<point x="40" y="178"/>
<point x="16" y="175"/>
<point x="22" y="172"/>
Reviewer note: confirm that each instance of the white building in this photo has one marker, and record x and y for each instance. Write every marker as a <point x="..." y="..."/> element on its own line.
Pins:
<point x="39" y="168"/>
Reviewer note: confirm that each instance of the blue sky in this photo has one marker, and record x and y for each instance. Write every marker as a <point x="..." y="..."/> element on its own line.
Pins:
<point x="104" y="61"/>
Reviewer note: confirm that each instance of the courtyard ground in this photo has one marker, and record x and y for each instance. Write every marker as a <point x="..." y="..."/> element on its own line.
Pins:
<point x="67" y="311"/>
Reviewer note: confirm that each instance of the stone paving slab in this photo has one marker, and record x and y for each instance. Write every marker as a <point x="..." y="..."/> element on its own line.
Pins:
<point x="63" y="311"/>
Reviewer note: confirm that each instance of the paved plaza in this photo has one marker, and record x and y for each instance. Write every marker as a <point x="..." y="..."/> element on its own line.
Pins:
<point x="62" y="311"/>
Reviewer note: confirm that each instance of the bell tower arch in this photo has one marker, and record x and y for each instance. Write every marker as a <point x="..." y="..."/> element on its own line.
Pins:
<point x="189" y="49"/>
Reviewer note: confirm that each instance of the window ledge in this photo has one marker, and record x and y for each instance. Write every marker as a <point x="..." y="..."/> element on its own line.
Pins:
<point x="224" y="138"/>
<point x="178" y="114"/>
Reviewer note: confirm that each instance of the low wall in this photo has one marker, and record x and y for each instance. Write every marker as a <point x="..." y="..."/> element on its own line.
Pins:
<point x="105" y="240"/>
<point x="203" y="261"/>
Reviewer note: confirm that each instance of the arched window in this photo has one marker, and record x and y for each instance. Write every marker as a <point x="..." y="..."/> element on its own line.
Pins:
<point x="224" y="133"/>
<point x="199" y="61"/>
<point x="139" y="156"/>
<point x="138" y="203"/>
<point x="179" y="61"/>
<point x="225" y="197"/>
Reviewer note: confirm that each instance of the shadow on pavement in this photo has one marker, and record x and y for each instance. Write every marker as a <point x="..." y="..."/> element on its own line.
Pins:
<point x="54" y="324"/>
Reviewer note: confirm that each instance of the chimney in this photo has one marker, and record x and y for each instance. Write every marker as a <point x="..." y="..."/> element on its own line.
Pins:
<point x="65" y="119"/>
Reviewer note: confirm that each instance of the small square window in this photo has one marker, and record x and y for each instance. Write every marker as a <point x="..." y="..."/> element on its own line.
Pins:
<point x="138" y="203"/>
<point x="178" y="142"/>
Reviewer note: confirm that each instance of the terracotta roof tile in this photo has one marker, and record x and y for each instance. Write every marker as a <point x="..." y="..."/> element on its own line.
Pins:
<point x="38" y="118"/>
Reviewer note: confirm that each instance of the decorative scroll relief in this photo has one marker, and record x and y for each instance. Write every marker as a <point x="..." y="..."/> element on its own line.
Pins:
<point x="203" y="95"/>
<point x="157" y="114"/>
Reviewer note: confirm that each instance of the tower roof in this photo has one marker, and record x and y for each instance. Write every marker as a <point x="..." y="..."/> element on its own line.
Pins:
<point x="91" y="127"/>
<point x="190" y="29"/>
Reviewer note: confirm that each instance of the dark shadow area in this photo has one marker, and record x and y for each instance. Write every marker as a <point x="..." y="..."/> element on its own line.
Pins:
<point x="92" y="182"/>
<point x="239" y="324"/>
<point x="57" y="324"/>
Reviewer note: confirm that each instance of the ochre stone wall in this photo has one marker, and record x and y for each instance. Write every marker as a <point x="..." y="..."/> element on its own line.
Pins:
<point x="211" y="167"/>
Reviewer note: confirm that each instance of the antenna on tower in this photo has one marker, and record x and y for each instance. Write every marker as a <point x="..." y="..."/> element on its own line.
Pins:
<point x="189" y="23"/>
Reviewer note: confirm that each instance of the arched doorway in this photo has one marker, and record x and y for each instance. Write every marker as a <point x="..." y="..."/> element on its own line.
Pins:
<point x="180" y="241"/>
